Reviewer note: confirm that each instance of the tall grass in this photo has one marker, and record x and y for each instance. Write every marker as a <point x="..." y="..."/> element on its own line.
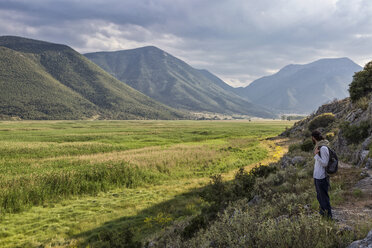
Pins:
<point x="50" y="161"/>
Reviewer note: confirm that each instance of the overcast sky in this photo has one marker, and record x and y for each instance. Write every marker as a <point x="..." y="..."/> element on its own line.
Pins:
<point x="238" y="40"/>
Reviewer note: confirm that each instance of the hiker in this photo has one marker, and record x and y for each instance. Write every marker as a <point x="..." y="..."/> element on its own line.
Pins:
<point x="321" y="178"/>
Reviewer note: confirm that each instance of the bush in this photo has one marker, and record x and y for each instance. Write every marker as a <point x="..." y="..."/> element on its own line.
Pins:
<point x="237" y="228"/>
<point x="294" y="147"/>
<point x="355" y="133"/>
<point x="219" y="194"/>
<point x="322" y="120"/>
<point x="307" y="145"/>
<point x="362" y="83"/>
<point x="330" y="136"/>
<point x="263" y="171"/>
<point x="362" y="103"/>
<point x="117" y="238"/>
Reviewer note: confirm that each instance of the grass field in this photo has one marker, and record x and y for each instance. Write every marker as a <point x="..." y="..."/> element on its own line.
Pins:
<point x="68" y="183"/>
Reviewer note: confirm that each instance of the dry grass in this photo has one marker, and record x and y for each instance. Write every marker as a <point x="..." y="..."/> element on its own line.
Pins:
<point x="157" y="156"/>
<point x="67" y="155"/>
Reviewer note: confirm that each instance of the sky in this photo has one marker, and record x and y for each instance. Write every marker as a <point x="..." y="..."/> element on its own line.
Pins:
<point x="237" y="40"/>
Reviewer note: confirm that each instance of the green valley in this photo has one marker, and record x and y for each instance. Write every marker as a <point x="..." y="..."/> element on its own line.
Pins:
<point x="83" y="183"/>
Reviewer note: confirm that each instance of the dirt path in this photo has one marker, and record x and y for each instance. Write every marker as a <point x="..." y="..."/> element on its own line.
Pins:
<point x="360" y="207"/>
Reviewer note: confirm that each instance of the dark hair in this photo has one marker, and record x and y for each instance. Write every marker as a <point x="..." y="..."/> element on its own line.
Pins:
<point x="317" y="135"/>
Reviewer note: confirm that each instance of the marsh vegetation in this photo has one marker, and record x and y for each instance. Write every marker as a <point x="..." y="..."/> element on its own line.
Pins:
<point x="68" y="182"/>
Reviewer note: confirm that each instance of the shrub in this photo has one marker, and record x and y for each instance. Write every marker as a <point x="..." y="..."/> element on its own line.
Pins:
<point x="362" y="103"/>
<point x="294" y="147"/>
<point x="355" y="133"/>
<point x="219" y="194"/>
<point x="362" y="83"/>
<point x="236" y="228"/>
<point x="117" y="238"/>
<point x="330" y="136"/>
<point x="263" y="171"/>
<point x="307" y="133"/>
<point x="243" y="183"/>
<point x="307" y="145"/>
<point x="322" y="120"/>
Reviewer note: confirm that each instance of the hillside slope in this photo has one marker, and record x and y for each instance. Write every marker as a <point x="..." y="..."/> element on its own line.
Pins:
<point x="302" y="88"/>
<point x="41" y="80"/>
<point x="28" y="91"/>
<point x="276" y="205"/>
<point x="173" y="82"/>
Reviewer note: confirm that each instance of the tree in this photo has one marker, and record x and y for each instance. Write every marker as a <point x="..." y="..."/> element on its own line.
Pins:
<point x="362" y="83"/>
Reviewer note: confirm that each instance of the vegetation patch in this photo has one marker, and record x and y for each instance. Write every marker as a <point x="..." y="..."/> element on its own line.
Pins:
<point x="307" y="145"/>
<point x="362" y="83"/>
<point x="275" y="208"/>
<point x="135" y="175"/>
<point x="323" y="120"/>
<point x="355" y="133"/>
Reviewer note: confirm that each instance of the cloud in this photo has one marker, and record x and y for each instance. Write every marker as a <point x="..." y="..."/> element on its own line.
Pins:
<point x="239" y="40"/>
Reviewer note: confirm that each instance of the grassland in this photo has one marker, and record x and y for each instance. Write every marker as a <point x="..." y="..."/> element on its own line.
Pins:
<point x="79" y="182"/>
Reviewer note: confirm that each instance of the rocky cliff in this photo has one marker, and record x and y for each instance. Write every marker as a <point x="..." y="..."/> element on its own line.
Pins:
<point x="350" y="132"/>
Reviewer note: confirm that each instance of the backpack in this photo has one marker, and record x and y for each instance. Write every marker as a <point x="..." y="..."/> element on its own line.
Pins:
<point x="333" y="161"/>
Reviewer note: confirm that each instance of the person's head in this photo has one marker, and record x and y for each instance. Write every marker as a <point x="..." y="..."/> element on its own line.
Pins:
<point x="316" y="136"/>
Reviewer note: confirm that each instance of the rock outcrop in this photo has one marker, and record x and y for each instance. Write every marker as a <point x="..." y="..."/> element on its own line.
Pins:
<point x="364" y="243"/>
<point x="345" y="111"/>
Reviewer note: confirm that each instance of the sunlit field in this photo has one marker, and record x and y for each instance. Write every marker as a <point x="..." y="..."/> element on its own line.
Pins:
<point x="75" y="183"/>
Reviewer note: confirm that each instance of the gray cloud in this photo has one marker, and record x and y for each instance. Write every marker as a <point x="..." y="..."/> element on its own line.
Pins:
<point x="239" y="40"/>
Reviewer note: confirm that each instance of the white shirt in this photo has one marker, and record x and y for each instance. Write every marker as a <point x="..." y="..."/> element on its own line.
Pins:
<point x="321" y="163"/>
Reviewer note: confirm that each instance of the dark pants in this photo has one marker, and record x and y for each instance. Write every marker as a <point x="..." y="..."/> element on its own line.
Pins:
<point x="321" y="186"/>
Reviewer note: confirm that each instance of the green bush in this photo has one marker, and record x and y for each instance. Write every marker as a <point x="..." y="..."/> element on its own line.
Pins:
<point x="362" y="83"/>
<point x="307" y="145"/>
<point x="322" y="120"/>
<point x="219" y="194"/>
<point x="294" y="147"/>
<point x="362" y="103"/>
<point x="355" y="133"/>
<point x="117" y="238"/>
<point x="263" y="171"/>
<point x="237" y="228"/>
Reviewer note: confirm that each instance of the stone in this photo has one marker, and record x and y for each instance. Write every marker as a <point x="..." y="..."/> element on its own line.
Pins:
<point x="298" y="160"/>
<point x="368" y="163"/>
<point x="340" y="144"/>
<point x="256" y="199"/>
<point x="285" y="162"/>
<point x="363" y="155"/>
<point x="364" y="174"/>
<point x="364" y="243"/>
<point x="366" y="143"/>
<point x="369" y="109"/>
<point x="352" y="116"/>
<point x="360" y="157"/>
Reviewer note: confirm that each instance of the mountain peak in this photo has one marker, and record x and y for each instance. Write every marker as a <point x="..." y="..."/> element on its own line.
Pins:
<point x="140" y="49"/>
<point x="62" y="84"/>
<point x="173" y="82"/>
<point x="302" y="88"/>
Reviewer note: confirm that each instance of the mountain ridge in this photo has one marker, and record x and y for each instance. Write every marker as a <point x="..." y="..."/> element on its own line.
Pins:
<point x="97" y="92"/>
<point x="302" y="88"/>
<point x="173" y="82"/>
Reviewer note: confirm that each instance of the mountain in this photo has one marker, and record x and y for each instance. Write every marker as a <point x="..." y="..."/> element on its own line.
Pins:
<point x="171" y="81"/>
<point x="302" y="88"/>
<point x="42" y="80"/>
